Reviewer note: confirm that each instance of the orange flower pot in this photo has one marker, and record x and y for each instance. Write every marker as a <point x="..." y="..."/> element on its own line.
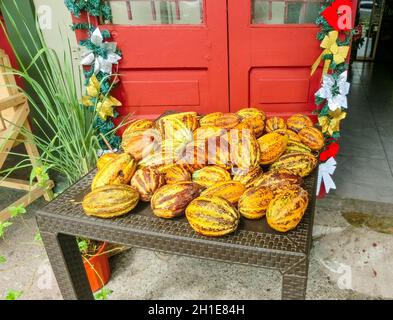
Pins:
<point x="97" y="269"/>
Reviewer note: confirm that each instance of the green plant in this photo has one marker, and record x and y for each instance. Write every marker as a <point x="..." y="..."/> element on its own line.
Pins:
<point x="103" y="294"/>
<point x="13" y="295"/>
<point x="2" y="260"/>
<point x="64" y="130"/>
<point x="4" y="226"/>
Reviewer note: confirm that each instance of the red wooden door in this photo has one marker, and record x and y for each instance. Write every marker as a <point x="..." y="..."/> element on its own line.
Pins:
<point x="272" y="45"/>
<point x="168" y="64"/>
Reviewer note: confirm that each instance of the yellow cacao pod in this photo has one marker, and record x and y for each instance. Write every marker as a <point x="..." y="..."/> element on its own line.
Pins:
<point x="245" y="151"/>
<point x="170" y="125"/>
<point x="254" y="202"/>
<point x="286" y="210"/>
<point x="212" y="216"/>
<point x="247" y="177"/>
<point x="297" y="147"/>
<point x="272" y="146"/>
<point x="221" y="120"/>
<point x="229" y="190"/>
<point x="291" y="134"/>
<point x="312" y="137"/>
<point x="118" y="171"/>
<point x="171" y="200"/>
<point x="275" y="123"/>
<point x="142" y="143"/>
<point x="203" y="134"/>
<point x="146" y="181"/>
<point x="176" y="173"/>
<point x="135" y="126"/>
<point x="254" y="118"/>
<point x="106" y="158"/>
<point x="301" y="164"/>
<point x="209" y="176"/>
<point x="110" y="201"/>
<point x="277" y="180"/>
<point x="298" y="121"/>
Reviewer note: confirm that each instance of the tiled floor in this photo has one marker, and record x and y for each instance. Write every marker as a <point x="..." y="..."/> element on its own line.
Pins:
<point x="365" y="163"/>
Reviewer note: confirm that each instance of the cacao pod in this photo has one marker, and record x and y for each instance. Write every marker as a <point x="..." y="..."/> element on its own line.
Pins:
<point x="106" y="158"/>
<point x="212" y="216"/>
<point x="254" y="202"/>
<point x="176" y="173"/>
<point x="247" y="177"/>
<point x="110" y="201"/>
<point x="136" y="126"/>
<point x="286" y="210"/>
<point x="209" y="176"/>
<point x="146" y="181"/>
<point x="118" y="171"/>
<point x="275" y="123"/>
<point x="277" y="180"/>
<point x="297" y="147"/>
<point x="142" y="143"/>
<point x="312" y="138"/>
<point x="221" y="120"/>
<point x="299" y="121"/>
<point x="245" y="151"/>
<point x="272" y="146"/>
<point x="184" y="122"/>
<point x="291" y="134"/>
<point x="229" y="190"/>
<point x="171" y="200"/>
<point x="301" y="164"/>
<point x="203" y="134"/>
<point x="254" y="118"/>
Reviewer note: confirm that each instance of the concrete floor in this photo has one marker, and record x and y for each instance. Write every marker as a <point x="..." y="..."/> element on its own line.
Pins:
<point x="352" y="250"/>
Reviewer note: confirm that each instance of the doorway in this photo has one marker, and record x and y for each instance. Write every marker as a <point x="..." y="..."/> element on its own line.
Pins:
<point x="216" y="55"/>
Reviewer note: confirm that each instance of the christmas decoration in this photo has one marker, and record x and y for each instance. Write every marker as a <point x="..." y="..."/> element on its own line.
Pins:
<point x="335" y="90"/>
<point x="338" y="15"/>
<point x="326" y="170"/>
<point x="98" y="60"/>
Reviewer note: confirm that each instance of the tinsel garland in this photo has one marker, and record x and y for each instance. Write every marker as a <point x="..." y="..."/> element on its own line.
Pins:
<point x="96" y="8"/>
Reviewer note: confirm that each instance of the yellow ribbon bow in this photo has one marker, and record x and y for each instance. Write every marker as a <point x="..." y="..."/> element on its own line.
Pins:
<point x="329" y="44"/>
<point x="105" y="107"/>
<point x="331" y="123"/>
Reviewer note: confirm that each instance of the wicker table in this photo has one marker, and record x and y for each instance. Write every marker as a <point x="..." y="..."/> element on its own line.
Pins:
<point x="254" y="243"/>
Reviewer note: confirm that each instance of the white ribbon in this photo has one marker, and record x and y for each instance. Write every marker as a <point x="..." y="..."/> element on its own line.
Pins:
<point x="101" y="64"/>
<point x="339" y="100"/>
<point x="326" y="170"/>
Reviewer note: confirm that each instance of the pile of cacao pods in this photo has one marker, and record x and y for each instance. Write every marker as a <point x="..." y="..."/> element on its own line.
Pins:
<point x="215" y="169"/>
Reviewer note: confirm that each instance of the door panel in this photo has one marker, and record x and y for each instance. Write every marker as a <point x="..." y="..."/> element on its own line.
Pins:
<point x="271" y="55"/>
<point x="172" y="63"/>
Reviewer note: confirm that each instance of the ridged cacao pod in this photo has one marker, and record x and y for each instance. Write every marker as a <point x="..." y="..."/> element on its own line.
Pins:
<point x="176" y="173"/>
<point x="221" y="120"/>
<point x="254" y="118"/>
<point x="118" y="171"/>
<point x="229" y="190"/>
<point x="299" y="121"/>
<point x="209" y="176"/>
<point x="110" y="201"/>
<point x="193" y="154"/>
<point x="146" y="181"/>
<point x="291" y="134"/>
<point x="191" y="168"/>
<point x="301" y="164"/>
<point x="135" y="126"/>
<point x="157" y="159"/>
<point x="286" y="210"/>
<point x="171" y="200"/>
<point x="219" y="152"/>
<point x="212" y="216"/>
<point x="312" y="137"/>
<point x="247" y="177"/>
<point x="142" y="143"/>
<point x="254" y="202"/>
<point x="297" y="147"/>
<point x="275" y="123"/>
<point x="245" y="151"/>
<point x="272" y="146"/>
<point x="175" y="126"/>
<point x="277" y="180"/>
<point x="106" y="158"/>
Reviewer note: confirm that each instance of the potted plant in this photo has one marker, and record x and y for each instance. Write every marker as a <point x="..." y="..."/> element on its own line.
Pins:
<point x="96" y="262"/>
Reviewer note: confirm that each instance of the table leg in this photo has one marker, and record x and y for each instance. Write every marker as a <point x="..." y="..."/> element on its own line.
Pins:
<point x="294" y="281"/>
<point x="67" y="265"/>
